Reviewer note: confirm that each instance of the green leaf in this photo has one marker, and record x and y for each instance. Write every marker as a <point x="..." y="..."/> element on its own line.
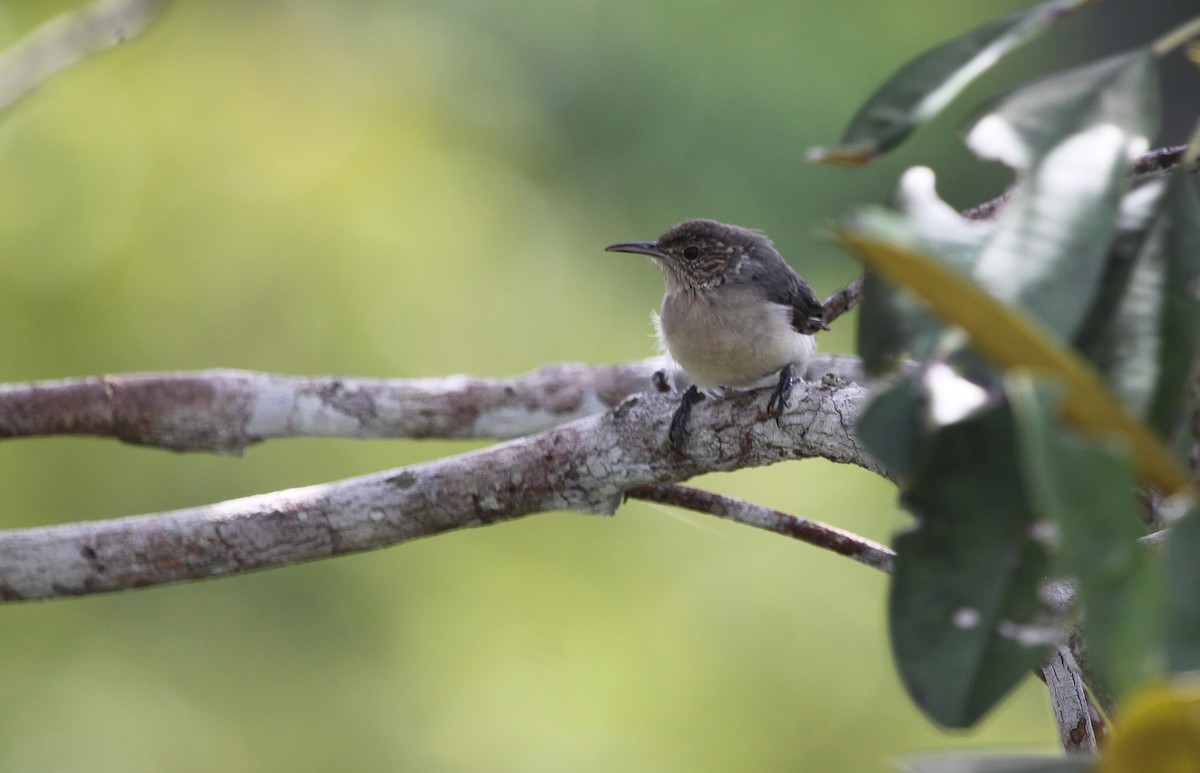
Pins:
<point x="936" y="225"/>
<point x="892" y="326"/>
<point x="1021" y="128"/>
<point x="1147" y="337"/>
<point x="1009" y="338"/>
<point x="964" y="594"/>
<point x="891" y="426"/>
<point x="1075" y="134"/>
<point x="1137" y="213"/>
<point x="1086" y="492"/>
<point x="1183" y="594"/>
<point x="924" y="86"/>
<point x="1179" y="323"/>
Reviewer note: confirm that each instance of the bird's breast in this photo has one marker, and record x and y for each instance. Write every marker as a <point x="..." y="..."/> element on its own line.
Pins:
<point x="731" y="337"/>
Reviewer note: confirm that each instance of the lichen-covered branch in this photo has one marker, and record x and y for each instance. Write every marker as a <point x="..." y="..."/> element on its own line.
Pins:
<point x="228" y="410"/>
<point x="585" y="466"/>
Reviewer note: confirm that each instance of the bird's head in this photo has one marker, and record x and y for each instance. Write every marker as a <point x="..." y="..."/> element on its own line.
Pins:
<point x="699" y="254"/>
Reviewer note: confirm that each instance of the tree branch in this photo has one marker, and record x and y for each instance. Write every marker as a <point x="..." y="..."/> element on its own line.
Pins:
<point x="1073" y="711"/>
<point x="585" y="466"/>
<point x="227" y="410"/>
<point x="65" y="39"/>
<point x="844" y="299"/>
<point x="1080" y="722"/>
<point x="822" y="535"/>
<point x="1153" y="163"/>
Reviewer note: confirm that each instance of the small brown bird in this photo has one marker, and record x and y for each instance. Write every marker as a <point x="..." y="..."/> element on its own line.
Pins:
<point x="735" y="314"/>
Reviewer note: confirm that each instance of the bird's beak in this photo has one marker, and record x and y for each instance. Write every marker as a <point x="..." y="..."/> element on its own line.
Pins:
<point x="639" y="248"/>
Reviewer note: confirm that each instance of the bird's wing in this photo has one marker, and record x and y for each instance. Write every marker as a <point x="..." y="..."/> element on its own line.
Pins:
<point x="781" y="284"/>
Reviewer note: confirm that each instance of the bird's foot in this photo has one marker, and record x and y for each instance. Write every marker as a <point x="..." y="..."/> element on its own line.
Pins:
<point x="781" y="394"/>
<point x="679" y="419"/>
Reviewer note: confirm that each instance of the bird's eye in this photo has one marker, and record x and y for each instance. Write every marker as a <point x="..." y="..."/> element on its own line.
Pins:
<point x="691" y="252"/>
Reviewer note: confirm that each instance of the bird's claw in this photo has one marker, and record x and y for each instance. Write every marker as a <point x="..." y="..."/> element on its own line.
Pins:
<point x="680" y="417"/>
<point x="781" y="395"/>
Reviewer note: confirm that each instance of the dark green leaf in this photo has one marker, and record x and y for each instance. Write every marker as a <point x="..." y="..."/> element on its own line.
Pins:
<point x="939" y="228"/>
<point x="1183" y="594"/>
<point x="1179" y="328"/>
<point x="1146" y="341"/>
<point x="1021" y="128"/>
<point x="1138" y="212"/>
<point x="1076" y="134"/>
<point x="1010" y="339"/>
<point x="892" y="326"/>
<point x="963" y="610"/>
<point x="924" y="86"/>
<point x="891" y="426"/>
<point x="1086" y="494"/>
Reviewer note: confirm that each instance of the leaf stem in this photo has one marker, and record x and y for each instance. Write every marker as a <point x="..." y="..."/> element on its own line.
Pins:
<point x="1176" y="37"/>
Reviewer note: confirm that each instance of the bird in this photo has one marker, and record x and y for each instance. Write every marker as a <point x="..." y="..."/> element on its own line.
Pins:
<point x="734" y="316"/>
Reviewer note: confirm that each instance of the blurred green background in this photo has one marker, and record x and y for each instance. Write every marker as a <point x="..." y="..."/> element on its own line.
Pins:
<point x="424" y="188"/>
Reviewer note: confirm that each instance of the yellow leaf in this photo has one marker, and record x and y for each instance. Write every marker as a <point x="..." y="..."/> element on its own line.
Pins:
<point x="1015" y="341"/>
<point x="845" y="155"/>
<point x="1158" y="731"/>
<point x="1192" y="52"/>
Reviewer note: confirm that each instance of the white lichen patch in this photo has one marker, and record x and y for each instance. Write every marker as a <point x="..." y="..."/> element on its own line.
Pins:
<point x="516" y="421"/>
<point x="1028" y="635"/>
<point x="966" y="618"/>
<point x="271" y="411"/>
<point x="1046" y="533"/>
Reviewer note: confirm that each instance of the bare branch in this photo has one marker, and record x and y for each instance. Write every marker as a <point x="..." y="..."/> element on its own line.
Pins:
<point x="1079" y="720"/>
<point x="585" y="466"/>
<point x="990" y="209"/>
<point x="1072" y="709"/>
<point x="1159" y="161"/>
<point x="844" y="299"/>
<point x="822" y="535"/>
<point x="228" y="410"/>
<point x="65" y="39"/>
<point x="1154" y="163"/>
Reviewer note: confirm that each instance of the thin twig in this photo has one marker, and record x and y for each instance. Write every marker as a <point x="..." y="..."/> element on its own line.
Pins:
<point x="844" y="299"/>
<point x="1153" y="163"/>
<point x="990" y="210"/>
<point x="822" y="535"/>
<point x="1158" y="162"/>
